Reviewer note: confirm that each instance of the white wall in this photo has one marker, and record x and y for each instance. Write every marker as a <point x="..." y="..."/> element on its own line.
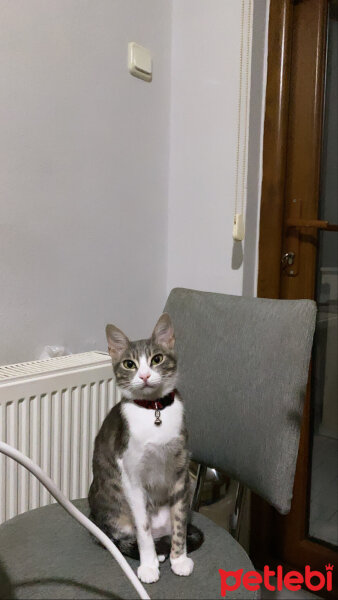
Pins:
<point x="113" y="190"/>
<point x="84" y="172"/>
<point x="204" y="104"/>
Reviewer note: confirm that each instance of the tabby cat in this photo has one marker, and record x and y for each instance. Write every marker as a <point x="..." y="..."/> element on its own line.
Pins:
<point x="140" y="492"/>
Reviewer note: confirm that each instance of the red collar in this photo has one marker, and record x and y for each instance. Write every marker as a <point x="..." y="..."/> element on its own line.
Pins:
<point x="158" y="404"/>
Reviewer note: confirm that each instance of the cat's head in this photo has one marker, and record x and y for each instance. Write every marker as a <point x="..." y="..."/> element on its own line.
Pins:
<point x="144" y="369"/>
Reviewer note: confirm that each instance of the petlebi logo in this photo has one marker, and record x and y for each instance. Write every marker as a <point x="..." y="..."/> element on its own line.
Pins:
<point x="293" y="580"/>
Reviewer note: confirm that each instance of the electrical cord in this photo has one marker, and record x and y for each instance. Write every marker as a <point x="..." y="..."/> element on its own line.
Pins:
<point x="76" y="514"/>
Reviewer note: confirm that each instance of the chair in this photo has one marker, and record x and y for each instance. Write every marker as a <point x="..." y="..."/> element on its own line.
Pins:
<point x="243" y="368"/>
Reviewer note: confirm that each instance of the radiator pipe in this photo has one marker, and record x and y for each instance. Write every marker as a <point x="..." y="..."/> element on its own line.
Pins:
<point x="76" y="514"/>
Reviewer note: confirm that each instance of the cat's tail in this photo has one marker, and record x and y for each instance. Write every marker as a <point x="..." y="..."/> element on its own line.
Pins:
<point x="195" y="538"/>
<point x="129" y="547"/>
<point x="128" y="544"/>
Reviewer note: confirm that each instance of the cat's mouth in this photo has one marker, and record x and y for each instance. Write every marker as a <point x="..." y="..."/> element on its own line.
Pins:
<point x="146" y="386"/>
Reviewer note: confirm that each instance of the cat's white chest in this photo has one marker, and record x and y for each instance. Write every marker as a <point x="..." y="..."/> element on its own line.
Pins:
<point x="142" y="428"/>
<point x="144" y="462"/>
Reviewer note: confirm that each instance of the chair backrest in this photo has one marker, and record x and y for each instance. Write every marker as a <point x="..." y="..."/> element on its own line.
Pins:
<point x="243" y="370"/>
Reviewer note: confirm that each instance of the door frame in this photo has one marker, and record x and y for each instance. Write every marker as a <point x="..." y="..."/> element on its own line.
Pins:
<point x="277" y="539"/>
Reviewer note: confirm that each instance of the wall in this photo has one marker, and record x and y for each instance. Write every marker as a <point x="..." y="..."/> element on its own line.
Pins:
<point x="113" y="190"/>
<point x="84" y="172"/>
<point x="204" y="104"/>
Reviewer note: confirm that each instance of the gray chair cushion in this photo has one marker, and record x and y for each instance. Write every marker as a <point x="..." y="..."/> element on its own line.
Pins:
<point x="46" y="554"/>
<point x="243" y="368"/>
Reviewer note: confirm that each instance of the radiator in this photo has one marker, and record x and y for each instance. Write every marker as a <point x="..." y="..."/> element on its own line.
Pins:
<point x="51" y="410"/>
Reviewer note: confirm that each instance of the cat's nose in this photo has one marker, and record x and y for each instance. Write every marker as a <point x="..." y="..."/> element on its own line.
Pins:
<point x="145" y="376"/>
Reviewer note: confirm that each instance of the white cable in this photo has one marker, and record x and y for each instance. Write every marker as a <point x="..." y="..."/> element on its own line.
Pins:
<point x="77" y="514"/>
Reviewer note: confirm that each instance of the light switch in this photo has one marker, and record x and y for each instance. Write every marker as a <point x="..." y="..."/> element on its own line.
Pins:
<point x="139" y="61"/>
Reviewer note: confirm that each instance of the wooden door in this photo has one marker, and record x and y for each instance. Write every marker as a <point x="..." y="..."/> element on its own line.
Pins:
<point x="289" y="227"/>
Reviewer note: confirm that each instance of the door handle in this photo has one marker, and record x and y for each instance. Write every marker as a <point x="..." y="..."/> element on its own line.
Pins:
<point x="314" y="223"/>
<point x="294" y="225"/>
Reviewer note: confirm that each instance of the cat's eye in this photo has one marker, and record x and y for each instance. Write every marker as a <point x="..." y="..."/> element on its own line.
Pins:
<point x="157" y="359"/>
<point x="129" y="364"/>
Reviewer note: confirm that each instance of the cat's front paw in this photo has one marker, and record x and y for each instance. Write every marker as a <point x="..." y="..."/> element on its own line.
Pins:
<point x="183" y="565"/>
<point x="148" y="574"/>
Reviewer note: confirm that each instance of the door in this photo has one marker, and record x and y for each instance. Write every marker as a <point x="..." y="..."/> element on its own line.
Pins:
<point x="298" y="258"/>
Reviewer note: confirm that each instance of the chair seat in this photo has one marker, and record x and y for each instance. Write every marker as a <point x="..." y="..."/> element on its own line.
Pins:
<point x="45" y="553"/>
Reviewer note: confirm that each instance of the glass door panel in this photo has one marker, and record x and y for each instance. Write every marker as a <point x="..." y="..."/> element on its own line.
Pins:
<point x="323" y="510"/>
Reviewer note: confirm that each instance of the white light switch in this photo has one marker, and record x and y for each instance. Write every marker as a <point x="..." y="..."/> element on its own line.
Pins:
<point x="139" y="61"/>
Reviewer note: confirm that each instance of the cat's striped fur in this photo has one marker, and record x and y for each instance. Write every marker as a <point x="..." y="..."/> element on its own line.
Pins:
<point x="140" y="492"/>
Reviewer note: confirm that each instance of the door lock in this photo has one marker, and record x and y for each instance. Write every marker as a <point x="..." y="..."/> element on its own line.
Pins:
<point x="288" y="259"/>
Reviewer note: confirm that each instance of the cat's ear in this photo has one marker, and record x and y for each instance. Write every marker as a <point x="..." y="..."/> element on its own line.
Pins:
<point x="163" y="333"/>
<point x="117" y="342"/>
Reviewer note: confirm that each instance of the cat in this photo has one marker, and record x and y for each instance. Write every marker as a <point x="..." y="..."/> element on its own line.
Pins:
<point x="140" y="494"/>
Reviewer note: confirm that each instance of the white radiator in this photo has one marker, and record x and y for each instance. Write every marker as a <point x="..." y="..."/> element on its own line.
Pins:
<point x="51" y="410"/>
